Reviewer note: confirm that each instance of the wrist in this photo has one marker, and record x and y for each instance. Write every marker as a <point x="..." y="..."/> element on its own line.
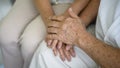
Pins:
<point x="82" y="38"/>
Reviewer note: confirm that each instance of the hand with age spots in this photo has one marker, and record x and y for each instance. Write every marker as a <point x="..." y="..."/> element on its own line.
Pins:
<point x="67" y="31"/>
<point x="65" y="51"/>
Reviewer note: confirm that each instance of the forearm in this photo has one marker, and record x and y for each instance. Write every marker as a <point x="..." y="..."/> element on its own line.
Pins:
<point x="105" y="55"/>
<point x="77" y="6"/>
<point x="90" y="12"/>
<point x="45" y="9"/>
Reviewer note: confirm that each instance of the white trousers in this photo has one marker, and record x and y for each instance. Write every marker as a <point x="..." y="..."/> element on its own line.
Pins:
<point x="20" y="34"/>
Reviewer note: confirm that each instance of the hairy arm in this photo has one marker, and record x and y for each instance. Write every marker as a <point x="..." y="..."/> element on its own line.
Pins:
<point x="104" y="54"/>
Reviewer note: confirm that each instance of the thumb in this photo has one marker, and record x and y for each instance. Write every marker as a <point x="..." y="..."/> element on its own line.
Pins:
<point x="71" y="13"/>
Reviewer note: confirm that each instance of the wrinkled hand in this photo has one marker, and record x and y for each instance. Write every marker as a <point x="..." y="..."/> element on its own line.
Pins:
<point x="54" y="19"/>
<point x="67" y="31"/>
<point x="65" y="51"/>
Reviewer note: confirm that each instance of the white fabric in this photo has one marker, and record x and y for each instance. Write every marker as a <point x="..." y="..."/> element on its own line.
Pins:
<point x="17" y="51"/>
<point x="108" y="22"/>
<point x="44" y="58"/>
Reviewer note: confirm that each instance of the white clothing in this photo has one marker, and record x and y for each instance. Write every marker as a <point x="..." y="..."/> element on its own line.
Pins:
<point x="20" y="34"/>
<point x="108" y="22"/>
<point x="44" y="58"/>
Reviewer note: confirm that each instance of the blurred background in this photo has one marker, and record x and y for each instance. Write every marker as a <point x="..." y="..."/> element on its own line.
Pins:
<point x="5" y="6"/>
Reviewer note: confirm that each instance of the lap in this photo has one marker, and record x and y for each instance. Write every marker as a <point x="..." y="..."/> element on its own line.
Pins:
<point x="44" y="58"/>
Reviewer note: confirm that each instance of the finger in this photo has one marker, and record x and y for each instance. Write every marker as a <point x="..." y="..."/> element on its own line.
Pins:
<point x="61" y="53"/>
<point x="54" y="44"/>
<point x="53" y="30"/>
<point x="67" y="54"/>
<point x="54" y="24"/>
<point x="59" y="45"/>
<point x="68" y="47"/>
<point x="52" y="36"/>
<point x="71" y="49"/>
<point x="72" y="52"/>
<point x="58" y="18"/>
<point x="55" y="52"/>
<point x="49" y="42"/>
<point x="71" y="13"/>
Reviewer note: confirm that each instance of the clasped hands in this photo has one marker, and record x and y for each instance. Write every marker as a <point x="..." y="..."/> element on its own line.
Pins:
<point x="63" y="33"/>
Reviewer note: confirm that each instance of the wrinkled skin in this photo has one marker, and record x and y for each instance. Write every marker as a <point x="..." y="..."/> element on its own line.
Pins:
<point x="65" y="51"/>
<point x="67" y="31"/>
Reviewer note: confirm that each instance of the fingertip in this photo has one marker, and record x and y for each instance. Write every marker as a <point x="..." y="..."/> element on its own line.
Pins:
<point x="70" y="9"/>
<point x="55" y="52"/>
<point x="63" y="59"/>
<point x="73" y="55"/>
<point x="59" y="45"/>
<point x="68" y="47"/>
<point x="69" y="59"/>
<point x="71" y="13"/>
<point x="49" y="42"/>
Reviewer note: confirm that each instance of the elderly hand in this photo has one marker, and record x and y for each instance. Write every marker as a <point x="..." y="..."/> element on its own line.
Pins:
<point x="67" y="31"/>
<point x="52" y="42"/>
<point x="65" y="51"/>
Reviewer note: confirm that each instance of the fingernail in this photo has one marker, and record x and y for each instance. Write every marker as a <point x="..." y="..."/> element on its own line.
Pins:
<point x="59" y="46"/>
<point x="70" y="9"/>
<point x="62" y="59"/>
<point x="73" y="54"/>
<point x="55" y="53"/>
<point x="69" y="59"/>
<point x="68" y="47"/>
<point x="49" y="42"/>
